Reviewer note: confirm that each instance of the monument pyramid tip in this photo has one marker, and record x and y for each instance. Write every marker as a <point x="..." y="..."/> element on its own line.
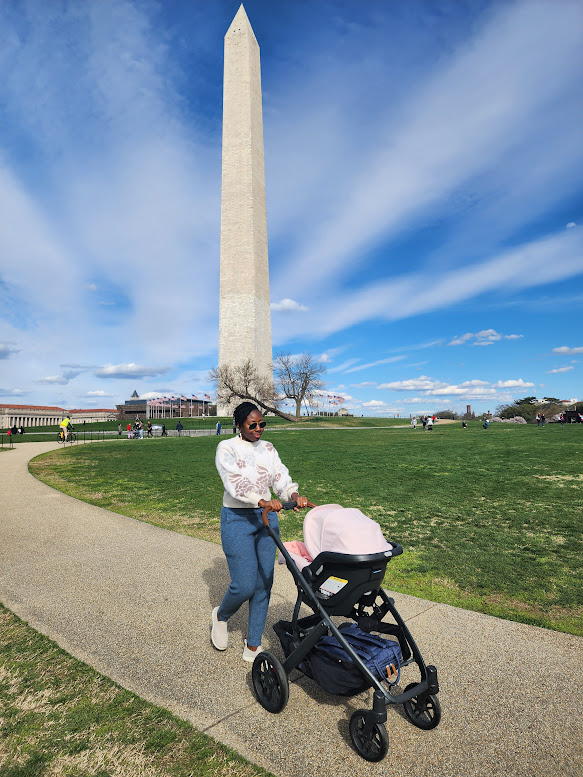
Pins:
<point x="241" y="18"/>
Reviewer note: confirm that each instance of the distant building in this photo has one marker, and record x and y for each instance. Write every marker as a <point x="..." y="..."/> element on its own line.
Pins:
<point x="180" y="406"/>
<point x="92" y="415"/>
<point x="30" y="415"/>
<point x="41" y="415"/>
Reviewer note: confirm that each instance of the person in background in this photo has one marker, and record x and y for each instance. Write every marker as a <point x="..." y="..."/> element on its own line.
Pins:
<point x="249" y="468"/>
<point x="430" y="423"/>
<point x="414" y="422"/>
<point x="218" y="428"/>
<point x="119" y="430"/>
<point x="150" y="430"/>
<point x="66" y="427"/>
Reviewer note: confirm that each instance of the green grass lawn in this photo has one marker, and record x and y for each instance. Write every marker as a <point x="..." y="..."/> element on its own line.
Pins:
<point x="60" y="717"/>
<point x="489" y="520"/>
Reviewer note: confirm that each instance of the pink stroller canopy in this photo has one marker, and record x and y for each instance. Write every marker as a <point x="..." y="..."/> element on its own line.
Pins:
<point x="339" y="530"/>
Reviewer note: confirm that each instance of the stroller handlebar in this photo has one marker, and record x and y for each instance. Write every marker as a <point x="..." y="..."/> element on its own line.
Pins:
<point x="285" y="506"/>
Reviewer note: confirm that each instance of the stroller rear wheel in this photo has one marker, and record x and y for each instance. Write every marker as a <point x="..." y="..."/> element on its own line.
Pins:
<point x="270" y="682"/>
<point x="423" y="711"/>
<point x="368" y="737"/>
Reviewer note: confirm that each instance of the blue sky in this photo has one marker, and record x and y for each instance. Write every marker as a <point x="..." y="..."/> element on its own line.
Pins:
<point x="424" y="197"/>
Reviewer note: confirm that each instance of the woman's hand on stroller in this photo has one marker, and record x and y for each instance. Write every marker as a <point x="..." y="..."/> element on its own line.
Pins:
<point x="274" y="505"/>
<point x="301" y="501"/>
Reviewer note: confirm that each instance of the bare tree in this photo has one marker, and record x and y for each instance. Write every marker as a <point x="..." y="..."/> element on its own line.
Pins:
<point x="243" y="381"/>
<point x="298" y="377"/>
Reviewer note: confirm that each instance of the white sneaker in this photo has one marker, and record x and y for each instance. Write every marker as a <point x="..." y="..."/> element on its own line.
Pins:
<point x="219" y="635"/>
<point x="249" y="655"/>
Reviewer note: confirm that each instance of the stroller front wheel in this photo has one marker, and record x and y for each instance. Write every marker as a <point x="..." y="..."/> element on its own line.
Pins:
<point x="270" y="682"/>
<point x="369" y="738"/>
<point x="423" y="712"/>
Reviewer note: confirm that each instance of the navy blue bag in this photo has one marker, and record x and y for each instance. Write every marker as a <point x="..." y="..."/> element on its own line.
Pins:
<point x="381" y="656"/>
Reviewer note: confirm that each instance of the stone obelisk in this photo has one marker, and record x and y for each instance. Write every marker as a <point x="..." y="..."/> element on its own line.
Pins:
<point x="244" y="310"/>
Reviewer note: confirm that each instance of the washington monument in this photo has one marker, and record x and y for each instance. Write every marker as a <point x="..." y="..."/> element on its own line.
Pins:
<point x="244" y="310"/>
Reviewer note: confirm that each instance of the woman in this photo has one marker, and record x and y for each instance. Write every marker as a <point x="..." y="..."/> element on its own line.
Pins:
<point x="249" y="467"/>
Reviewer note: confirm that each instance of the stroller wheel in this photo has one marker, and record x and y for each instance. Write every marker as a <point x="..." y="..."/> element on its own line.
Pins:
<point x="423" y="711"/>
<point x="270" y="682"/>
<point x="369" y="738"/>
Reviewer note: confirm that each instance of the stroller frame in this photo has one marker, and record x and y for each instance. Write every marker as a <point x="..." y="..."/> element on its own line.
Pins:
<point x="355" y="600"/>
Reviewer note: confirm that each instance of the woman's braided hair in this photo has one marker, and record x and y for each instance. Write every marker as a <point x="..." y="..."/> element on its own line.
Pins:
<point x="242" y="411"/>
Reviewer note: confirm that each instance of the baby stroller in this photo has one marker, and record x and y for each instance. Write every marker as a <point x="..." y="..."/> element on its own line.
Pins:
<point x="346" y="584"/>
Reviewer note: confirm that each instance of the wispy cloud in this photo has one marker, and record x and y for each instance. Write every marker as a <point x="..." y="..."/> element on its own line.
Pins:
<point x="4" y="392"/>
<point x="56" y="380"/>
<point x="344" y="366"/>
<point x="7" y="350"/>
<point x="479" y="104"/>
<point x="389" y="360"/>
<point x="127" y="371"/>
<point x="560" y="369"/>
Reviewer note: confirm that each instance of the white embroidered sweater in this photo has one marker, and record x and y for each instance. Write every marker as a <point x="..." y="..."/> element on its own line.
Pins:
<point x="249" y="470"/>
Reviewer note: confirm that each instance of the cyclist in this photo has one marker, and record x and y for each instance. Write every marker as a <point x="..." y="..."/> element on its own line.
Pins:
<point x="66" y="427"/>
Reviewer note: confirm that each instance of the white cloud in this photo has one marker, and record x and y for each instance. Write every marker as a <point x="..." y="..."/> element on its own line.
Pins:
<point x="485" y="337"/>
<point x="564" y="349"/>
<point x="374" y="403"/>
<point x="329" y="354"/>
<point x="560" y="369"/>
<point x="363" y="384"/>
<point x="422" y="383"/>
<point x="470" y="389"/>
<point x="513" y="384"/>
<point x="98" y="393"/>
<point x="288" y="306"/>
<point x="571" y="224"/>
<point x="127" y="371"/>
<point x="57" y="380"/>
<point x="4" y="392"/>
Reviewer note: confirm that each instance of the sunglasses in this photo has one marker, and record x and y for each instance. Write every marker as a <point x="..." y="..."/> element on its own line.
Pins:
<point x="254" y="425"/>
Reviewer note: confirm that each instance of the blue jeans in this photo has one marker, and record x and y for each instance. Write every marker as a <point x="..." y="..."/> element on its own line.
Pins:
<point x="250" y="553"/>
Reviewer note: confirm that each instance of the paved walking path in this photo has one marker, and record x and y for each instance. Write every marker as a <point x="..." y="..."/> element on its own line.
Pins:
<point x="134" y="601"/>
